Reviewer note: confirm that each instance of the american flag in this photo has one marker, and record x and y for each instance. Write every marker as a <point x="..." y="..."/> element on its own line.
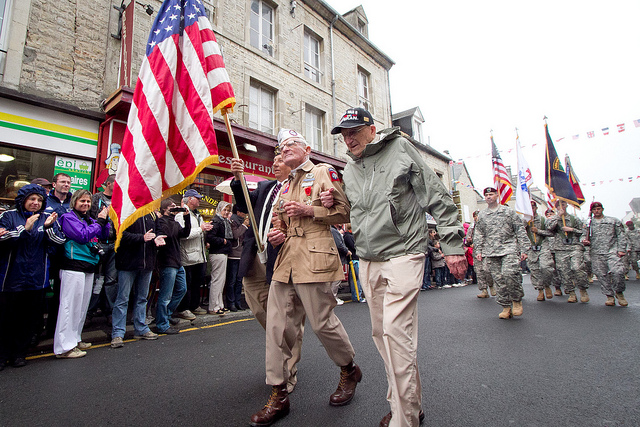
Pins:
<point x="551" y="200"/>
<point x="637" y="122"/>
<point x="170" y="136"/>
<point x="501" y="179"/>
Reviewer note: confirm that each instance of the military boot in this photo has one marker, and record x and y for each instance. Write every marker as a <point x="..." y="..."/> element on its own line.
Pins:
<point x="506" y="313"/>
<point x="584" y="296"/>
<point x="637" y="276"/>
<point x="558" y="292"/>
<point x="517" y="308"/>
<point x="548" y="293"/>
<point x="590" y="278"/>
<point x="540" y="295"/>
<point x="572" y="297"/>
<point x="611" y="301"/>
<point x="623" y="302"/>
<point x="492" y="290"/>
<point x="483" y="294"/>
<point x="277" y="407"/>
<point x="350" y="376"/>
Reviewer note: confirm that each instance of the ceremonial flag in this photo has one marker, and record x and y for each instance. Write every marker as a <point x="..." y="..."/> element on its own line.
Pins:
<point x="550" y="200"/>
<point x="523" y="197"/>
<point x="573" y="179"/>
<point x="605" y="131"/>
<point x="555" y="178"/>
<point x="501" y="179"/>
<point x="170" y="136"/>
<point x="621" y="127"/>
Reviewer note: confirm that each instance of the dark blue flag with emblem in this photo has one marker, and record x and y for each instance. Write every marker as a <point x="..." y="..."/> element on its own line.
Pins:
<point x="555" y="178"/>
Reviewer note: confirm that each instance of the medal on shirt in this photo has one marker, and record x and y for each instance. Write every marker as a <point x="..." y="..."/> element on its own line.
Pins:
<point x="307" y="191"/>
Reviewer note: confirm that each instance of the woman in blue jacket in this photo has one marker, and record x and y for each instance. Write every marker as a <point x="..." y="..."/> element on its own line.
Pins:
<point x="82" y="254"/>
<point x="27" y="237"/>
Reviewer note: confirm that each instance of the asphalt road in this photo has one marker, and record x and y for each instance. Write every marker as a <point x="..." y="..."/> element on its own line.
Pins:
<point x="558" y="365"/>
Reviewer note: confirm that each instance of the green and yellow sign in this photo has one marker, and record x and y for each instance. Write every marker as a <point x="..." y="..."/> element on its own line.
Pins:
<point x="79" y="171"/>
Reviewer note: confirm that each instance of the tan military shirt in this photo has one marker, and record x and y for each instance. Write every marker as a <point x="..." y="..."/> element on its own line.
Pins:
<point x="309" y="253"/>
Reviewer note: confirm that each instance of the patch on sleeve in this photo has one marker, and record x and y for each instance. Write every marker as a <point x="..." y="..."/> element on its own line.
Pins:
<point x="286" y="188"/>
<point x="334" y="175"/>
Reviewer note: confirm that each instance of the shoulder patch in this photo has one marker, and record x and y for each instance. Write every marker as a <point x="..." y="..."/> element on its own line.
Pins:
<point x="334" y="175"/>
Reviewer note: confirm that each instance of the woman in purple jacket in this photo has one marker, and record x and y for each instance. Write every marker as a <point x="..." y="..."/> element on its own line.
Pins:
<point x="76" y="273"/>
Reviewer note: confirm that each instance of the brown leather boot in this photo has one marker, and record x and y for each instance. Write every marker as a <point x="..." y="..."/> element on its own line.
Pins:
<point x="584" y="296"/>
<point x="517" y="308"/>
<point x="547" y="292"/>
<point x="350" y="376"/>
<point x="572" y="297"/>
<point x="621" y="300"/>
<point x="540" y="295"/>
<point x="506" y="313"/>
<point x="277" y="407"/>
<point x="384" y="422"/>
<point x="558" y="292"/>
<point x="483" y="294"/>
<point x="611" y="301"/>
<point x="492" y="291"/>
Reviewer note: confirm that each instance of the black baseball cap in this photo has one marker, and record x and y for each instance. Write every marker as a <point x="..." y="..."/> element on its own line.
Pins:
<point x="353" y="118"/>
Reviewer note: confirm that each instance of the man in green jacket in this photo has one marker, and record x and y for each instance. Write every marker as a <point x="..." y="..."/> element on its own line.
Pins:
<point x="390" y="188"/>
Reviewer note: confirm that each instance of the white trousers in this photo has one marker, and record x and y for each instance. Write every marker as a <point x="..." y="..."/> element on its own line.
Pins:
<point x="75" y="294"/>
<point x="218" y="278"/>
<point x="391" y="288"/>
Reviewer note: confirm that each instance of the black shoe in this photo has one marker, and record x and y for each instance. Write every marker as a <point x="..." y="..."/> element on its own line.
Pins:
<point x="174" y="321"/>
<point x="169" y="331"/>
<point x="19" y="362"/>
<point x="233" y="308"/>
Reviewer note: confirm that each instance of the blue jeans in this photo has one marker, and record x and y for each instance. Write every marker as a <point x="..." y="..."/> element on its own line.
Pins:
<point x="439" y="276"/>
<point x="354" y="295"/>
<point x="127" y="280"/>
<point x="233" y="285"/>
<point x="173" y="286"/>
<point x="426" y="279"/>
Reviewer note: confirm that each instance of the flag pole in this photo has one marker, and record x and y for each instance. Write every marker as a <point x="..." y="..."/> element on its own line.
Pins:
<point x="245" y="190"/>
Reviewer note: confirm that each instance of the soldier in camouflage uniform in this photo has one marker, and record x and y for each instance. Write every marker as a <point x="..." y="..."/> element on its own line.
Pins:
<point x="633" y="251"/>
<point x="482" y="274"/>
<point x="551" y="241"/>
<point x="539" y="258"/>
<point x="502" y="241"/>
<point x="607" y="243"/>
<point x="569" y="252"/>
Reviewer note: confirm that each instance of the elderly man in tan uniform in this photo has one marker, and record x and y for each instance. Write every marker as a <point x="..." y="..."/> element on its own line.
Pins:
<point x="306" y="265"/>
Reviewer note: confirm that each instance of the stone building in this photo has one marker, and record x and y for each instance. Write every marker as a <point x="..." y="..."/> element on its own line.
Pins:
<point x="68" y="68"/>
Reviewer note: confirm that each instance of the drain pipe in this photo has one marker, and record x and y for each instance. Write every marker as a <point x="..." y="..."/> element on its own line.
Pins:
<point x="333" y="86"/>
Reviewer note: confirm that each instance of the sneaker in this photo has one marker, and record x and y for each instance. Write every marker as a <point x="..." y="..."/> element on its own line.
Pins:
<point x="221" y="312"/>
<point x="187" y="315"/>
<point x="199" y="311"/>
<point x="74" y="353"/>
<point x="146" y="336"/>
<point x="447" y="286"/>
<point x="117" y="342"/>
<point x="363" y="300"/>
<point x="339" y="301"/>
<point x="174" y="321"/>
<point x="83" y="345"/>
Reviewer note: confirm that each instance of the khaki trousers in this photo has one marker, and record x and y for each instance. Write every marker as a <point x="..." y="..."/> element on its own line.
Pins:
<point x="256" y="293"/>
<point x="286" y="302"/>
<point x="391" y="288"/>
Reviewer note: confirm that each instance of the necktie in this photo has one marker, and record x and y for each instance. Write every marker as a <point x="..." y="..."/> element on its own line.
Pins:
<point x="276" y="191"/>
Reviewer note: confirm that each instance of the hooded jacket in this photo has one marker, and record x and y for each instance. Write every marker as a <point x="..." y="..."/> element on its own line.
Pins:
<point x="24" y="255"/>
<point x="390" y="189"/>
<point x="134" y="253"/>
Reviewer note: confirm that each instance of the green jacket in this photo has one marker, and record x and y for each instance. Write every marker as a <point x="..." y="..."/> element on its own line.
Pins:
<point x="390" y="188"/>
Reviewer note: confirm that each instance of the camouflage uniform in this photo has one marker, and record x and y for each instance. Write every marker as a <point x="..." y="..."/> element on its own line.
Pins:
<point x="480" y="267"/>
<point x="633" y="237"/>
<point x="607" y="238"/>
<point x="539" y="258"/>
<point x="569" y="252"/>
<point x="500" y="239"/>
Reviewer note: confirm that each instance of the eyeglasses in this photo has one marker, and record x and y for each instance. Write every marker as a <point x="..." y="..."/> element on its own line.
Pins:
<point x="290" y="143"/>
<point x="350" y="133"/>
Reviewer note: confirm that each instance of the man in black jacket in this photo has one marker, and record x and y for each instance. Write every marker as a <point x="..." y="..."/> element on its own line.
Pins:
<point x="173" y="281"/>
<point x="135" y="261"/>
<point x="256" y="269"/>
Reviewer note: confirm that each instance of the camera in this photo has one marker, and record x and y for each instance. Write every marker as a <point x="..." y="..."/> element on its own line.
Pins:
<point x="96" y="250"/>
<point x="177" y="209"/>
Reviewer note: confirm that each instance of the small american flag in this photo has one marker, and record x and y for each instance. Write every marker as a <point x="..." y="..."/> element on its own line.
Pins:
<point x="637" y="123"/>
<point x="170" y="136"/>
<point x="501" y="178"/>
<point x="576" y="136"/>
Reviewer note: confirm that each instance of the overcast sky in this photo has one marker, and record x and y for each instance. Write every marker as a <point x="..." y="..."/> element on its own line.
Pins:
<point x="473" y="67"/>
